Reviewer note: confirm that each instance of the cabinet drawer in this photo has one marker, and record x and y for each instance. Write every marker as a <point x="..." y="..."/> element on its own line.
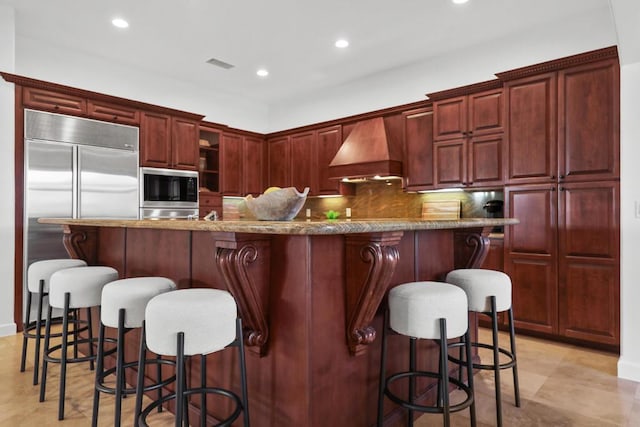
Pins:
<point x="111" y="112"/>
<point x="53" y="101"/>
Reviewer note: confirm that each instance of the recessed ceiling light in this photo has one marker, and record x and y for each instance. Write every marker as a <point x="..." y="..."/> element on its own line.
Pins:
<point x="342" y="43"/>
<point x="459" y="1"/>
<point x="120" y="23"/>
<point x="262" y="72"/>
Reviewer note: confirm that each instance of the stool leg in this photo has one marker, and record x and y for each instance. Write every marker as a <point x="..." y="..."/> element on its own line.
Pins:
<point x="180" y="379"/>
<point x="25" y="328"/>
<point x="467" y="346"/>
<point x="512" y="336"/>
<point x="76" y="326"/>
<point x="36" y="356"/>
<point x="444" y="372"/>
<point x="243" y="372"/>
<point x="90" y="324"/>
<point x="412" y="380"/>
<point x="63" y="355"/>
<point x="142" y="355"/>
<point x="383" y="360"/>
<point x="119" y="367"/>
<point x="45" y="363"/>
<point x="159" y="375"/>
<point x="99" y="375"/>
<point x="496" y="360"/>
<point x="203" y="396"/>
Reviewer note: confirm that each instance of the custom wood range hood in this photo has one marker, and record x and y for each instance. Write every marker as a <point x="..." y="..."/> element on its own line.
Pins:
<point x="368" y="151"/>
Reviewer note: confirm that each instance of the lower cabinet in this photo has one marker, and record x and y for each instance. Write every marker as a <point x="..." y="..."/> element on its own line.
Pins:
<point x="563" y="259"/>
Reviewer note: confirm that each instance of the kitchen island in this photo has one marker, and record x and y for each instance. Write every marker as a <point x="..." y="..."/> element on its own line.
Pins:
<point x="310" y="294"/>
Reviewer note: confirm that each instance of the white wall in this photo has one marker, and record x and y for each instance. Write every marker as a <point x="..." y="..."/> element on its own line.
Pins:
<point x="7" y="55"/>
<point x="579" y="34"/>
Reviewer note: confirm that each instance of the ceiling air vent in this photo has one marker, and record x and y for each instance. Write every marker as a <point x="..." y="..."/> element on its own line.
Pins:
<point x="221" y="64"/>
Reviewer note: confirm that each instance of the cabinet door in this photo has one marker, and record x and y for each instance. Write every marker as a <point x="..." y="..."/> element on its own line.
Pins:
<point x="450" y="118"/>
<point x="184" y="143"/>
<point x="328" y="143"/>
<point x="418" y="154"/>
<point x="253" y="165"/>
<point x="589" y="241"/>
<point x="531" y="150"/>
<point x="485" y="161"/>
<point x="155" y="140"/>
<point x="531" y="256"/>
<point x="279" y="162"/>
<point x="589" y="122"/>
<point x="303" y="163"/>
<point x="113" y="113"/>
<point x="231" y="164"/>
<point x="41" y="99"/>
<point x="450" y="163"/>
<point x="486" y="112"/>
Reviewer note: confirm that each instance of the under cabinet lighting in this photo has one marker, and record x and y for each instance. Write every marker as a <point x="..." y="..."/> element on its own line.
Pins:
<point x="120" y="23"/>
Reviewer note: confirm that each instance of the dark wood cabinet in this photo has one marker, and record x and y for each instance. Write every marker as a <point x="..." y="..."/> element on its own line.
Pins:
<point x="328" y="143"/>
<point x="253" y="149"/>
<point x="418" y="149"/>
<point x="111" y="112"/>
<point x="168" y="142"/>
<point x="303" y="163"/>
<point x="589" y="246"/>
<point x="468" y="135"/>
<point x="531" y="154"/>
<point x="42" y="99"/>
<point x="278" y="155"/>
<point x="231" y="164"/>
<point x="563" y="259"/>
<point x="209" y="162"/>
<point x="589" y="122"/>
<point x="184" y="143"/>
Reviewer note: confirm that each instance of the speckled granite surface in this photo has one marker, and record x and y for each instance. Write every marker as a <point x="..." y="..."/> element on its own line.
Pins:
<point x="315" y="227"/>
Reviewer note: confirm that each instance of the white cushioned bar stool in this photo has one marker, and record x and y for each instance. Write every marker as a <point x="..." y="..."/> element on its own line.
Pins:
<point x="72" y="288"/>
<point x="427" y="310"/>
<point x="123" y="304"/>
<point x="489" y="292"/>
<point x="193" y="322"/>
<point x="38" y="275"/>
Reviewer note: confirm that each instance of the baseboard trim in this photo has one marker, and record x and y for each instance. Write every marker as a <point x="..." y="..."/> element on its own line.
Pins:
<point x="628" y="370"/>
<point x="8" y="329"/>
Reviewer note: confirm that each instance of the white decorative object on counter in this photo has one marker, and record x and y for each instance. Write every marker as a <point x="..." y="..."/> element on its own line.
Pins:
<point x="278" y="205"/>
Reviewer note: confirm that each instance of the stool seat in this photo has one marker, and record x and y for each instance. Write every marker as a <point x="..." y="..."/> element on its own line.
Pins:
<point x="42" y="270"/>
<point x="207" y="317"/>
<point x="132" y="295"/>
<point x="417" y="307"/>
<point x="83" y="284"/>
<point x="480" y="284"/>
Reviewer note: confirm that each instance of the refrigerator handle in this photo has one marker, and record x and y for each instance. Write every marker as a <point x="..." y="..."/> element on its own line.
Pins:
<point x="75" y="185"/>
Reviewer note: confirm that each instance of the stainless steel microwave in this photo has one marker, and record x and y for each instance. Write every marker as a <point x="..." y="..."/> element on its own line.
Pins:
<point x="168" y="193"/>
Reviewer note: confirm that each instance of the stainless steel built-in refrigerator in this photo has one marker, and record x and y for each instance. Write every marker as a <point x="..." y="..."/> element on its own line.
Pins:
<point x="75" y="168"/>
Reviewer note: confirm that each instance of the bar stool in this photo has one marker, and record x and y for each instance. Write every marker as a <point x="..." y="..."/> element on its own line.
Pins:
<point x="186" y="323"/>
<point x="72" y="288"/>
<point x="489" y="292"/>
<point x="122" y="307"/>
<point x="38" y="276"/>
<point x="427" y="310"/>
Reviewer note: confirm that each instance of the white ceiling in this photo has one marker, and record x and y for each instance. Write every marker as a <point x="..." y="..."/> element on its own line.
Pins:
<point x="292" y="38"/>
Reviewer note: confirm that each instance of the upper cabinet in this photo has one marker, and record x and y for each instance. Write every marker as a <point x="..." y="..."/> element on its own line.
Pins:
<point x="278" y="159"/>
<point x="209" y="162"/>
<point x="41" y="99"/>
<point x="168" y="142"/>
<point x="564" y="125"/>
<point x="468" y="138"/>
<point x="254" y="165"/>
<point x="329" y="140"/>
<point x="303" y="162"/>
<point x="242" y="164"/>
<point x="418" y="149"/>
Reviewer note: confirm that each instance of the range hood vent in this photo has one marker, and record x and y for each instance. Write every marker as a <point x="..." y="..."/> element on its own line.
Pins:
<point x="369" y="150"/>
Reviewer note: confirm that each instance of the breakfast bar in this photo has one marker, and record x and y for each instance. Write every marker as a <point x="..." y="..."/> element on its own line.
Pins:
<point x="310" y="294"/>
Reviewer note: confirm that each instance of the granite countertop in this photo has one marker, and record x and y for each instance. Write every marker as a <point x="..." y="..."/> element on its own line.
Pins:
<point x="303" y="227"/>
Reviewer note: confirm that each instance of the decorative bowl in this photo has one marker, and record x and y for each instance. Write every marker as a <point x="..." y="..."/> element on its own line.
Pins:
<point x="278" y="205"/>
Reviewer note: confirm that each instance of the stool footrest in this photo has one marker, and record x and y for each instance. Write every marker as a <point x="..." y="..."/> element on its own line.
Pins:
<point x="423" y="408"/>
<point x="100" y="378"/>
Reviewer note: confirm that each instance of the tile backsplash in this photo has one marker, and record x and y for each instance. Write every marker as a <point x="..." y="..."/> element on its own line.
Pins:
<point x="380" y="199"/>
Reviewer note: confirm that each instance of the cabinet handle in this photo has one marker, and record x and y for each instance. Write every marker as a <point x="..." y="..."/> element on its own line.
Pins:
<point x="553" y="177"/>
<point x="561" y="177"/>
<point x="553" y="188"/>
<point x="561" y="188"/>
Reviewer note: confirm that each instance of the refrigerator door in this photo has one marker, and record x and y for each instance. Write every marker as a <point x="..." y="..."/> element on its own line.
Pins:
<point x="107" y="183"/>
<point x="49" y="193"/>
